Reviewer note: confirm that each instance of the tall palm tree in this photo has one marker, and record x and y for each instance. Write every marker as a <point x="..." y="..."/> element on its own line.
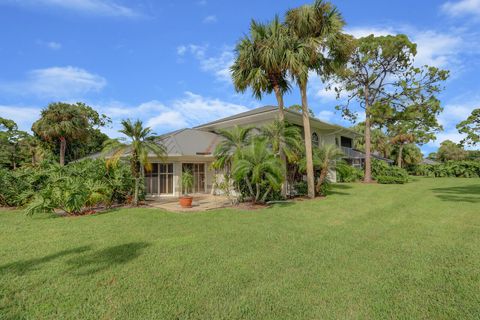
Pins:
<point x="139" y="144"/>
<point x="316" y="43"/>
<point x="256" y="164"/>
<point x="260" y="65"/>
<point x="233" y="141"/>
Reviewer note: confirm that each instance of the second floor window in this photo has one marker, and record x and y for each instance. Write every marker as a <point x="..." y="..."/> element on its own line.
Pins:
<point x="315" y="140"/>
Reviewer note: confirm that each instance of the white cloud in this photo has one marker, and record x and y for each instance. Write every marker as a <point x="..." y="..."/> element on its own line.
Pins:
<point x="433" y="48"/>
<point x="217" y="65"/>
<point x="22" y="115"/>
<point x="57" y="82"/>
<point x="50" y="44"/>
<point x="210" y="19"/>
<point x="189" y="110"/>
<point x="96" y="7"/>
<point x="461" y="8"/>
<point x="325" y="115"/>
<point x="454" y="113"/>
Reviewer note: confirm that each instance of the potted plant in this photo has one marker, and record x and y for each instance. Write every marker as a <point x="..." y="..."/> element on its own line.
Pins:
<point x="187" y="183"/>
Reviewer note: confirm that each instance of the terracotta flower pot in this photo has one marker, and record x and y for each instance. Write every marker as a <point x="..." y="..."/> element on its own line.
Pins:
<point x="186" y="201"/>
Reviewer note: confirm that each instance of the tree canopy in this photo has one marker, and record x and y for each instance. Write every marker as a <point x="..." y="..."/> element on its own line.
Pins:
<point x="471" y="127"/>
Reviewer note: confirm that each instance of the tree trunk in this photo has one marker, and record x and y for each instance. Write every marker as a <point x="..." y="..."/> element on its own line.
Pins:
<point x="399" y="156"/>
<point x="308" y="142"/>
<point x="257" y="196"/>
<point x="135" y="194"/>
<point x="321" y="179"/>
<point x="63" y="147"/>
<point x="368" y="161"/>
<point x="283" y="158"/>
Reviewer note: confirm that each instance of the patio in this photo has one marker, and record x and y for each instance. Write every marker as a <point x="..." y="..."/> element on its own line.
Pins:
<point x="201" y="202"/>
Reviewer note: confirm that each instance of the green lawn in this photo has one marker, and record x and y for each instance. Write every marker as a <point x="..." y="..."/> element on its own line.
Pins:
<point x="367" y="251"/>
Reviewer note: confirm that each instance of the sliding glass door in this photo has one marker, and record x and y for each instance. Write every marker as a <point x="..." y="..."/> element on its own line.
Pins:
<point x="160" y="179"/>
<point x="198" y="172"/>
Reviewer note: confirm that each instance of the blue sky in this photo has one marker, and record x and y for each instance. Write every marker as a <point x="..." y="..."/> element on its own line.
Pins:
<point x="166" y="62"/>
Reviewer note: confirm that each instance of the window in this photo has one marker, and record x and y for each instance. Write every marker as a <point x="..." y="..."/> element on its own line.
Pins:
<point x="160" y="179"/>
<point x="315" y="140"/>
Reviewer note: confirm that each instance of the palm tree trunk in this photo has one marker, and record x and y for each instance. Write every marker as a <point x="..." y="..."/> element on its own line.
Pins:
<point x="257" y="195"/>
<point x="368" y="143"/>
<point x="399" y="156"/>
<point x="135" y="194"/>
<point x="63" y="147"/>
<point x="308" y="142"/>
<point x="266" y="194"/>
<point x="281" y="151"/>
<point x="321" y="179"/>
<point x="249" y="185"/>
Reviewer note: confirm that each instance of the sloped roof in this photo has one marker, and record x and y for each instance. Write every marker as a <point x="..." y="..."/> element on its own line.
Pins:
<point x="189" y="142"/>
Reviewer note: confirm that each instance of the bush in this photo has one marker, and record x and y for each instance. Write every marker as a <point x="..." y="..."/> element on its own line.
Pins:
<point x="347" y="173"/>
<point x="301" y="188"/>
<point x="74" y="188"/>
<point x="391" y="180"/>
<point x="381" y="170"/>
<point x="462" y="169"/>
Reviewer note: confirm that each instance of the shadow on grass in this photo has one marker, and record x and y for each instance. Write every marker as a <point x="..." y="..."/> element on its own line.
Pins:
<point x="338" y="188"/>
<point x="104" y="259"/>
<point x="459" y="194"/>
<point x="24" y="266"/>
<point x="84" y="262"/>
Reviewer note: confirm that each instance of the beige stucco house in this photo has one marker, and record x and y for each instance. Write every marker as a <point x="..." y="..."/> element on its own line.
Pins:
<point x="193" y="149"/>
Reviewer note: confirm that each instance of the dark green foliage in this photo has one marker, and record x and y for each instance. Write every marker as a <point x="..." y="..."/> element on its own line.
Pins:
<point x="462" y="169"/>
<point x="347" y="173"/>
<point x="381" y="170"/>
<point x="73" y="188"/>
<point x="301" y="188"/>
<point x="390" y="180"/>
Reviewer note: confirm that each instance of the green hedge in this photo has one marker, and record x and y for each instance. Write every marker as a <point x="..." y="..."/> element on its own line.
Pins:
<point x="384" y="173"/>
<point x="461" y="169"/>
<point x="347" y="173"/>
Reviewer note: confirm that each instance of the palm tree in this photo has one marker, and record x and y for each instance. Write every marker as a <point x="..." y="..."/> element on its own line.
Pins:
<point x="324" y="159"/>
<point x="233" y="141"/>
<point x="34" y="149"/>
<point x="283" y="138"/>
<point x="256" y="165"/>
<point x="260" y="65"/>
<point x="63" y="122"/>
<point x="140" y="142"/>
<point x="315" y="44"/>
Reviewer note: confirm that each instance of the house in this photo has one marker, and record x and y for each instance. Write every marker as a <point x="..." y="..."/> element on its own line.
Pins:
<point x="192" y="149"/>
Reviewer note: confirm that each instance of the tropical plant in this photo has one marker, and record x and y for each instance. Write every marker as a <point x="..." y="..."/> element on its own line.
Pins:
<point x="257" y="167"/>
<point x="62" y="123"/>
<point x="187" y="181"/>
<point x="283" y="138"/>
<point x="233" y="140"/>
<point x="324" y="160"/>
<point x="316" y="44"/>
<point x="140" y="143"/>
<point x="260" y="64"/>
<point x="348" y="173"/>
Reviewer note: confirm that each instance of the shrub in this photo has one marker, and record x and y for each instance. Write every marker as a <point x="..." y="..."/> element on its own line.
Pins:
<point x="74" y="188"/>
<point x="301" y="188"/>
<point x="391" y="180"/>
<point x="463" y="169"/>
<point x="381" y="170"/>
<point x="347" y="173"/>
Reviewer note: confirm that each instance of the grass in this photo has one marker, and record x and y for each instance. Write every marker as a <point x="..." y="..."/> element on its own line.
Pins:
<point x="365" y="252"/>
